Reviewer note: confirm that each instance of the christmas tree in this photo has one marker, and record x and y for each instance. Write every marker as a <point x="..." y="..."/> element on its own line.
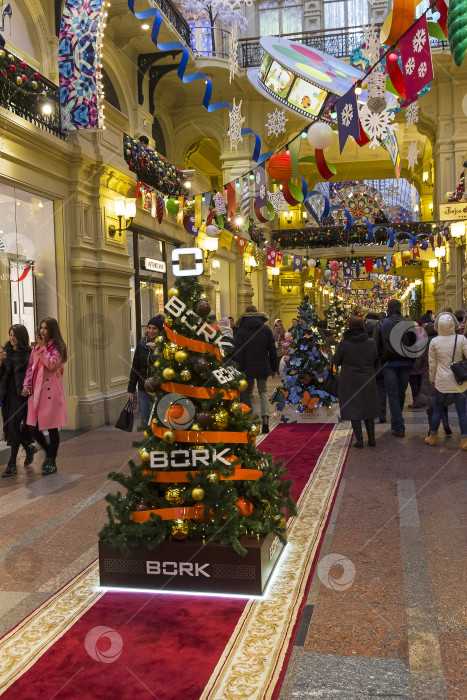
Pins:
<point x="415" y="304"/>
<point x="336" y="318"/>
<point x="307" y="367"/>
<point x="201" y="476"/>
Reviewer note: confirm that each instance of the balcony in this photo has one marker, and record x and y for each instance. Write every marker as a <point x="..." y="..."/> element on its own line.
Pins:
<point x="336" y="42"/>
<point x="171" y="12"/>
<point x="209" y="41"/>
<point x="152" y="169"/>
<point x="28" y="94"/>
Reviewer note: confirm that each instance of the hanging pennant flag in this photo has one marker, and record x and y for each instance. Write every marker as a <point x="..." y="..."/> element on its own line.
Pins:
<point x="189" y="223"/>
<point x="398" y="259"/>
<point x="219" y="203"/>
<point x="311" y="271"/>
<point x="347" y="268"/>
<point x="279" y="258"/>
<point x="271" y="255"/>
<point x="241" y="244"/>
<point x="138" y="190"/>
<point x="153" y="205"/>
<point x="297" y="263"/>
<point x="197" y="210"/>
<point x="416" y="252"/>
<point x="231" y="202"/>
<point x="205" y="204"/>
<point x="225" y="239"/>
<point x="146" y="200"/>
<point x="347" y="118"/>
<point x="417" y="65"/>
<point x="334" y="276"/>
<point x="378" y="264"/>
<point x="368" y="265"/>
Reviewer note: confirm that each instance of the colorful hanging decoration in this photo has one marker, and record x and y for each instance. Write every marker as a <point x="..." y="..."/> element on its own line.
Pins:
<point x="276" y="122"/>
<point x="457" y="29"/>
<point x="412" y="155"/>
<point x="159" y="209"/>
<point x="347" y="118"/>
<point x="235" y="125"/>
<point x="377" y="126"/>
<point x="416" y="58"/>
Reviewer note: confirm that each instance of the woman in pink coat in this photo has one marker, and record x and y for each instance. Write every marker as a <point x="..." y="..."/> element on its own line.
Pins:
<point x="44" y="386"/>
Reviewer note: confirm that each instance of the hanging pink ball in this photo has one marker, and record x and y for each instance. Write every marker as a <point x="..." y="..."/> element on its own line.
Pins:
<point x="334" y="265"/>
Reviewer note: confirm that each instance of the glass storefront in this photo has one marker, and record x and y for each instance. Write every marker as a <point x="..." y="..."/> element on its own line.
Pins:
<point x="28" y="284"/>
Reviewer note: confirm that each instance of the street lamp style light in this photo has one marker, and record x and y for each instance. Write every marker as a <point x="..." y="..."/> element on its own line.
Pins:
<point x="210" y="247"/>
<point x="124" y="209"/>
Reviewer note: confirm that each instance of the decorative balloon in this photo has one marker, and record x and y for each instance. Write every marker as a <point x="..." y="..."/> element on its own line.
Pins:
<point x="320" y="135"/>
<point x="311" y="262"/>
<point x="334" y="265"/>
<point x="280" y="166"/>
<point x="328" y="273"/>
<point x="211" y="231"/>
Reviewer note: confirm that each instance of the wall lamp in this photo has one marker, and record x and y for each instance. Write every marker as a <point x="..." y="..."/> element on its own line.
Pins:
<point x="124" y="209"/>
<point x="251" y="264"/>
<point x="288" y="215"/>
<point x="210" y="247"/>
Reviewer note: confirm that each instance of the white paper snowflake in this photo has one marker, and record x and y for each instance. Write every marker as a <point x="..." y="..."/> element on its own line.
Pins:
<point x="347" y="114"/>
<point x="278" y="201"/>
<point x="410" y="65"/>
<point x="419" y="40"/>
<point x="235" y="125"/>
<point x="262" y="191"/>
<point x="233" y="52"/>
<point x="412" y="155"/>
<point x="377" y="125"/>
<point x="411" y="113"/>
<point x="413" y="196"/>
<point x="276" y="122"/>
<point x="422" y="69"/>
<point x="372" y="45"/>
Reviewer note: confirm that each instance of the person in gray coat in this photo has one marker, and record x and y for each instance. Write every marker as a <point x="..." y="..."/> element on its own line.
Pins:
<point x="357" y="354"/>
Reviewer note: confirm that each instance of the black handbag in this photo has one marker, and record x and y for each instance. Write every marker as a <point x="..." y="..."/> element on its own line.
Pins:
<point x="459" y="369"/>
<point x="126" y="418"/>
<point x="331" y="384"/>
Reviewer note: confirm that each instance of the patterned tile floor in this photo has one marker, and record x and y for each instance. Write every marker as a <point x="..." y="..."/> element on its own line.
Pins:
<point x="386" y="611"/>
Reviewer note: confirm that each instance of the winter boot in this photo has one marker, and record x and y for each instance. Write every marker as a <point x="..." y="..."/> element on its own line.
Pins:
<point x="49" y="467"/>
<point x="357" y="428"/>
<point x="414" y="403"/>
<point x="431" y="440"/>
<point x="463" y="444"/>
<point x="10" y="469"/>
<point x="265" y="428"/>
<point x="370" y="429"/>
<point x="30" y="452"/>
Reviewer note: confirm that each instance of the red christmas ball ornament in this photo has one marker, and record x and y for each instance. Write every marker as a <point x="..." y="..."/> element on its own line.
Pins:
<point x="245" y="506"/>
<point x="280" y="167"/>
<point x="200" y="365"/>
<point x="140" y="160"/>
<point x="37" y="76"/>
<point x="130" y="164"/>
<point x="4" y="73"/>
<point x="23" y="64"/>
<point x="24" y="78"/>
<point x="159" y="209"/>
<point x="13" y="68"/>
<point x="203" y="308"/>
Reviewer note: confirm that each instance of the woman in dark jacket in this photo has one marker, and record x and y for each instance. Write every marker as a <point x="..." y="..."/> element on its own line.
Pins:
<point x="14" y="359"/>
<point x="140" y="369"/>
<point x="358" y="396"/>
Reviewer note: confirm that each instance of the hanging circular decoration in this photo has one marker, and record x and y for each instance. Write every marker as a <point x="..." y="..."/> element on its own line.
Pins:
<point x="300" y="78"/>
<point x="361" y="200"/>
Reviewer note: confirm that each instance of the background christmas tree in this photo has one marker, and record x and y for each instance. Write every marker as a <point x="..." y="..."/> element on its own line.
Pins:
<point x="193" y="480"/>
<point x="307" y="367"/>
<point x="415" y="303"/>
<point x="336" y="317"/>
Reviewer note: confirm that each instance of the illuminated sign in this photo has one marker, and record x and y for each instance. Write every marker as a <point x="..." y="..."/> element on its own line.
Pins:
<point x="362" y="284"/>
<point x="183" y="252"/>
<point x="153" y="265"/>
<point x="456" y="211"/>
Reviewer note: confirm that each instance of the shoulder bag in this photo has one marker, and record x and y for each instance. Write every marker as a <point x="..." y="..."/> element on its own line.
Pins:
<point x="459" y="369"/>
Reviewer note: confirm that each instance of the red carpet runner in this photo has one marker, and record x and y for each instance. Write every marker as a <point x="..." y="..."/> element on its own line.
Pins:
<point x="165" y="646"/>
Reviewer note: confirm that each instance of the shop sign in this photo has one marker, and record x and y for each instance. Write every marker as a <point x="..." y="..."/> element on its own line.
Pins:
<point x="153" y="265"/>
<point x="362" y="284"/>
<point x="456" y="211"/>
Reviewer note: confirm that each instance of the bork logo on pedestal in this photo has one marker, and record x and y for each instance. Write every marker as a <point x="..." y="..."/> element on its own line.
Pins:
<point x="177" y="568"/>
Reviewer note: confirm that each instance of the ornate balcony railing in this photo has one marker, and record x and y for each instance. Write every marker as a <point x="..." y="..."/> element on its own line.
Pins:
<point x="335" y="236"/>
<point x="28" y="94"/>
<point x="208" y="41"/>
<point x="336" y="42"/>
<point x="175" y="18"/>
<point x="152" y="169"/>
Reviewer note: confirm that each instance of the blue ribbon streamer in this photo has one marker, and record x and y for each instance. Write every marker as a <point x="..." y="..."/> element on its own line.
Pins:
<point x="370" y="230"/>
<point x="391" y="236"/>
<point x="177" y="45"/>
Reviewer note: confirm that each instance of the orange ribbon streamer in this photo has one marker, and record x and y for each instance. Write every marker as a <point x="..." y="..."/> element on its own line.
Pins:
<point x="199" y="392"/>
<point x="398" y="21"/>
<point x="180" y="477"/>
<point x="203" y="436"/>
<point x="191" y="344"/>
<point x="141" y="516"/>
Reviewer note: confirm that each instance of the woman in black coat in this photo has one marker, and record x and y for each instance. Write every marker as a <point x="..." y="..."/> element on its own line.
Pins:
<point x="14" y="358"/>
<point x="358" y="396"/>
<point x="140" y="369"/>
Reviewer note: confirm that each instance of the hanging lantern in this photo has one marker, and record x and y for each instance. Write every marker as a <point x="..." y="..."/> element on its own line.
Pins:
<point x="376" y="92"/>
<point x="320" y="135"/>
<point x="280" y="167"/>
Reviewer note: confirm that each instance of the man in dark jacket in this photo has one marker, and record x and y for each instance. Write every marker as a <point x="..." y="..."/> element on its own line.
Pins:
<point x="139" y="368"/>
<point x="256" y="354"/>
<point x="397" y="352"/>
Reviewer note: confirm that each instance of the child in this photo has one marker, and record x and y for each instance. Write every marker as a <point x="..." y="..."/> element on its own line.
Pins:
<point x="286" y="343"/>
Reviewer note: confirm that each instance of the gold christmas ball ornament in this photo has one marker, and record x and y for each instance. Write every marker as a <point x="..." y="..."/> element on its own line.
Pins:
<point x="255" y="429"/>
<point x="221" y="418"/>
<point x="156" y="363"/>
<point x="174" y="494"/>
<point x="180" y="529"/>
<point x="185" y="374"/>
<point x="243" y="385"/>
<point x="168" y="321"/>
<point x="196" y="427"/>
<point x="160" y="341"/>
<point x="235" y="408"/>
<point x="172" y="292"/>
<point x="203" y="296"/>
<point x="168" y="373"/>
<point x="170" y="350"/>
<point x="145" y="434"/>
<point x="145" y="456"/>
<point x="181" y="356"/>
<point x="213" y="478"/>
<point x="198" y="493"/>
<point x="169" y="437"/>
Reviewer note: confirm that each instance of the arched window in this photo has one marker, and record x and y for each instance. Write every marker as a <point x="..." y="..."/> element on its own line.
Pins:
<point x="158" y="136"/>
<point x="277" y="17"/>
<point x="345" y="13"/>
<point x="110" y="94"/>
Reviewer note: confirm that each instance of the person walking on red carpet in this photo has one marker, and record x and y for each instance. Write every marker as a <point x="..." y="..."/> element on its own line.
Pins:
<point x="357" y="355"/>
<point x="44" y="386"/>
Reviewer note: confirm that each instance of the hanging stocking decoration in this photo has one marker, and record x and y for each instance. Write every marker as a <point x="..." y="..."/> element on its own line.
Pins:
<point x="159" y="209"/>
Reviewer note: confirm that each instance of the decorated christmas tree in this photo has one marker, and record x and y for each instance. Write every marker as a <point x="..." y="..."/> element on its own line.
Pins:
<point x="201" y="476"/>
<point x="307" y="367"/>
<point x="337" y="318"/>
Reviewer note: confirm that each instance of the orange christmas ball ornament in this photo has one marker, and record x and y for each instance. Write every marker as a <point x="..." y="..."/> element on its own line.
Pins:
<point x="173" y="413"/>
<point x="280" y="167"/>
<point x="245" y="408"/>
<point x="245" y="506"/>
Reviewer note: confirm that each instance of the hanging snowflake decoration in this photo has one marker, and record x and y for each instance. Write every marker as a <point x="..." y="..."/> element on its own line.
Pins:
<point x="413" y="196"/>
<point x="277" y="200"/>
<point x="233" y="52"/>
<point x="412" y="155"/>
<point x="372" y="44"/>
<point x="276" y="122"/>
<point x="377" y="125"/>
<point x="411" y="114"/>
<point x="235" y="125"/>
<point x="262" y="191"/>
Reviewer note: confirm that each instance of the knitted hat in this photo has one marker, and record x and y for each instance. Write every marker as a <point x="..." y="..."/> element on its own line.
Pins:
<point x="356" y="322"/>
<point x="157" y="321"/>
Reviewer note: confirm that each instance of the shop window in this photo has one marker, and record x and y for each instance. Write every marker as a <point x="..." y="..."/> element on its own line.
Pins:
<point x="345" y="13"/>
<point x="277" y="18"/>
<point x="28" y="287"/>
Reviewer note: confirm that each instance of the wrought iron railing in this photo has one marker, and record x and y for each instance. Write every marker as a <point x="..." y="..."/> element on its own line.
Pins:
<point x="175" y="18"/>
<point x="209" y="41"/>
<point x="28" y="94"/>
<point x="336" y="42"/>
<point x="152" y="169"/>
